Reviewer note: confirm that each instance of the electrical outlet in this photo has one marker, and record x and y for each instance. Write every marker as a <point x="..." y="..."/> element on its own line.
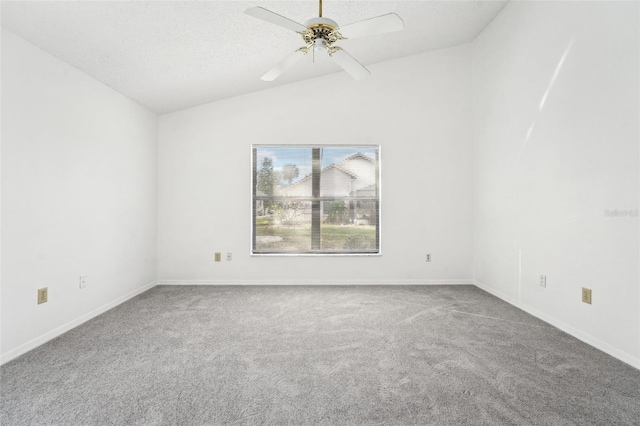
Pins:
<point x="543" y="280"/>
<point x="586" y="295"/>
<point x="428" y="258"/>
<point x="83" y="281"/>
<point x="42" y="295"/>
<point x="229" y="257"/>
<point x="218" y="257"/>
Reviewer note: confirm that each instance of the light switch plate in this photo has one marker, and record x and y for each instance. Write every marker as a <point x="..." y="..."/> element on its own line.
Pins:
<point x="43" y="295"/>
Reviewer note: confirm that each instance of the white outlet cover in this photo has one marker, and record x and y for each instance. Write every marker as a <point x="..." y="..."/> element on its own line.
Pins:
<point x="543" y="280"/>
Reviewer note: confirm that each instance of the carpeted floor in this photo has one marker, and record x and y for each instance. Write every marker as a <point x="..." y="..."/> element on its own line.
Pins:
<point x="374" y="355"/>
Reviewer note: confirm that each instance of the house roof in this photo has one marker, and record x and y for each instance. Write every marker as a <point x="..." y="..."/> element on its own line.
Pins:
<point x="371" y="187"/>
<point x="332" y="166"/>
<point x="358" y="155"/>
<point x="335" y="166"/>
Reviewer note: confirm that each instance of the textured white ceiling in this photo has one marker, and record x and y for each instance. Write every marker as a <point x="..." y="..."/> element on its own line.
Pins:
<point x="171" y="55"/>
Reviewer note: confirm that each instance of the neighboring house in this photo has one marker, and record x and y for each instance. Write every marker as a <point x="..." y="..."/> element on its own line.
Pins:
<point x="353" y="177"/>
<point x="343" y="179"/>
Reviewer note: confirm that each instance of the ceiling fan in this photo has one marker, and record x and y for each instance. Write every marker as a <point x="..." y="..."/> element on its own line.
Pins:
<point x="319" y="35"/>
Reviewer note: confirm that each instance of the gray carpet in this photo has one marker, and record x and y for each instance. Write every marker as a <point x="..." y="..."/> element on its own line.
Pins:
<point x="444" y="355"/>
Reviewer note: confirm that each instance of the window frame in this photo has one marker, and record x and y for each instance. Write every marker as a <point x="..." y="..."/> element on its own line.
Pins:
<point x="316" y="201"/>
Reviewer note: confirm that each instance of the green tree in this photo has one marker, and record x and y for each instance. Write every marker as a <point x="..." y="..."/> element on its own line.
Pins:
<point x="289" y="173"/>
<point x="266" y="177"/>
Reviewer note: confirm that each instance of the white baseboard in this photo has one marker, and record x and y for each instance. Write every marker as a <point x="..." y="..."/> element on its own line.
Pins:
<point x="461" y="281"/>
<point x="578" y="334"/>
<point x="34" y="343"/>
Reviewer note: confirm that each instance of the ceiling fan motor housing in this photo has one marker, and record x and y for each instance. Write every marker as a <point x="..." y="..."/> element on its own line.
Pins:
<point x="321" y="21"/>
<point x="321" y="33"/>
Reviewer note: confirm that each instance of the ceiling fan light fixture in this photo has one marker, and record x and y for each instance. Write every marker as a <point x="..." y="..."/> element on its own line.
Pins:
<point x="320" y="45"/>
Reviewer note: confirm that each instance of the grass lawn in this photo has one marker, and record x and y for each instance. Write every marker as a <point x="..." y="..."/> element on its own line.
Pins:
<point x="332" y="237"/>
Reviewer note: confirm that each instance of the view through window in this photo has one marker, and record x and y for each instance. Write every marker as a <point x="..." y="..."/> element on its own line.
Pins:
<point x="316" y="199"/>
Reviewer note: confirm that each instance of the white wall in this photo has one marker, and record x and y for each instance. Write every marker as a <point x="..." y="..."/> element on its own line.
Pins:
<point x="555" y="125"/>
<point x="78" y="196"/>
<point x="416" y="108"/>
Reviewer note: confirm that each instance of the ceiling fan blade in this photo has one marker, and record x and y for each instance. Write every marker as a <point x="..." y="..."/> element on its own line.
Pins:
<point x="274" y="18"/>
<point x="286" y="63"/>
<point x="349" y="64"/>
<point x="379" y="25"/>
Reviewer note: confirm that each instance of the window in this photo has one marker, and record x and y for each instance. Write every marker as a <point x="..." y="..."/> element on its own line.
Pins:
<point x="316" y="200"/>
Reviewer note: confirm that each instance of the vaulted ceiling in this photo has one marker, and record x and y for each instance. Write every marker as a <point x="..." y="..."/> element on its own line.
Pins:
<point x="172" y="55"/>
